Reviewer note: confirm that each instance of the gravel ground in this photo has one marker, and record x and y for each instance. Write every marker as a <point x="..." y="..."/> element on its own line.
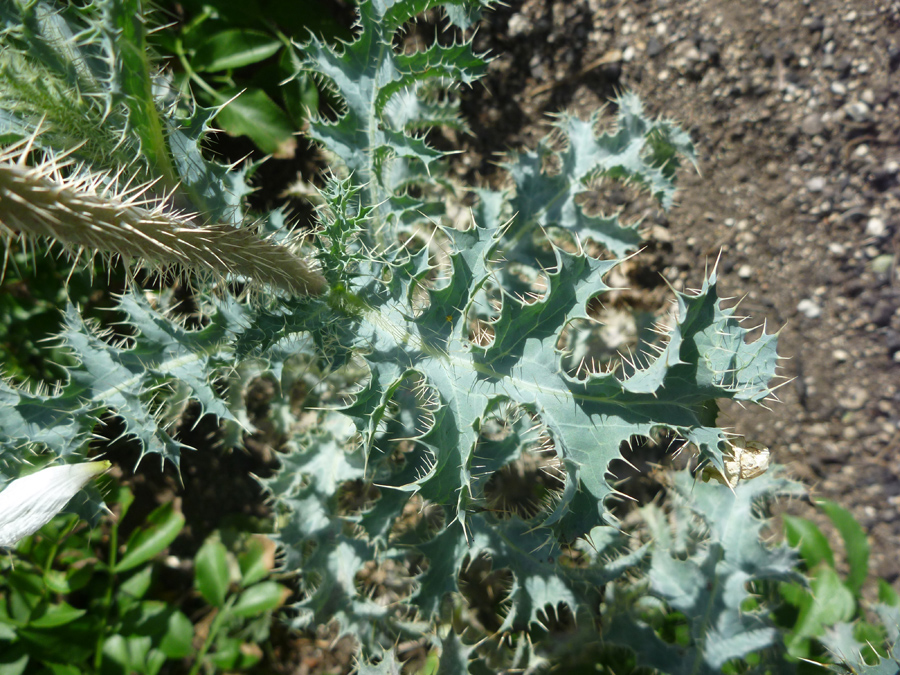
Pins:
<point x="795" y="111"/>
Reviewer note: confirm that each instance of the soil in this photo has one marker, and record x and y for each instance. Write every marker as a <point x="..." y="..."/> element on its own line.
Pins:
<point x="794" y="108"/>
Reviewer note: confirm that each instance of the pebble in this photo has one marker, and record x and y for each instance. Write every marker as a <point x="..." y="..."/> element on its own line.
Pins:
<point x="745" y="271"/>
<point x="855" y="398"/>
<point x="892" y="342"/>
<point x="817" y="429"/>
<point x="816" y="184"/>
<point x="840" y="355"/>
<point x="882" y="264"/>
<point x="661" y="234"/>
<point x="858" y="111"/>
<point x="836" y="249"/>
<point x="816" y="24"/>
<point x="838" y="88"/>
<point x="876" y="227"/>
<point x="518" y="25"/>
<point x="883" y="312"/>
<point x="809" y="309"/>
<point x="812" y="125"/>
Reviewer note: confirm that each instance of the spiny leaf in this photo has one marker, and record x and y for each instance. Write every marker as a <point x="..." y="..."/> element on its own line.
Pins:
<point x="62" y="70"/>
<point x="371" y="77"/>
<point x="113" y="377"/>
<point x="639" y="150"/>
<point x="710" y="585"/>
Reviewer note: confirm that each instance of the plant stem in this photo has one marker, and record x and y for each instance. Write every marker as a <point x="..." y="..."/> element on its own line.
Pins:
<point x="55" y="547"/>
<point x="192" y="74"/>
<point x="107" y="596"/>
<point x="214" y="628"/>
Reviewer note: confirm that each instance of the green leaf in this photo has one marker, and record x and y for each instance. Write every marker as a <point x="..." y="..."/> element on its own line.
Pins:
<point x="159" y="530"/>
<point x="233" y="654"/>
<point x="14" y="661"/>
<point x="425" y="409"/>
<point x="856" y="544"/>
<point x="252" y="113"/>
<point x="55" y="615"/>
<point x="214" y="189"/>
<point x="227" y="654"/>
<point x="259" y="599"/>
<point x="27" y="591"/>
<point x="387" y="665"/>
<point x="177" y="641"/>
<point x="371" y="140"/>
<point x="455" y="655"/>
<point x="299" y="91"/>
<point x="808" y="538"/>
<point x="234" y="48"/>
<point x="134" y="654"/>
<point x="134" y="588"/>
<point x="111" y="376"/>
<point x="829" y="603"/>
<point x="124" y="497"/>
<point x="256" y="561"/>
<point x="72" y="642"/>
<point x="212" y="576"/>
<point x="7" y="631"/>
<point x="169" y="630"/>
<point x="82" y="76"/>
<point x="887" y="595"/>
<point x="69" y="581"/>
<point x="62" y="669"/>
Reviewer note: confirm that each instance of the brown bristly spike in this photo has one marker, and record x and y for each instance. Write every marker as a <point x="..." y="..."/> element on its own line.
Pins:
<point x="59" y="201"/>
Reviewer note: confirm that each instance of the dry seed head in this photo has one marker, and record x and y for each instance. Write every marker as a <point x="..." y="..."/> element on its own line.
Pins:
<point x="63" y="202"/>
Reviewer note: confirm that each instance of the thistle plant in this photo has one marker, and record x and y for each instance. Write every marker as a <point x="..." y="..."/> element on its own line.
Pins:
<point x="457" y="425"/>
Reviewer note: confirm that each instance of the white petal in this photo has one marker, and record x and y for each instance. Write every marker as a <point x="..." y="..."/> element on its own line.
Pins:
<point x="29" y="503"/>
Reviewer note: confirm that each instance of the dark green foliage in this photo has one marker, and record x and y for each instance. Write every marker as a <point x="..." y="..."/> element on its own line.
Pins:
<point x="70" y="605"/>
